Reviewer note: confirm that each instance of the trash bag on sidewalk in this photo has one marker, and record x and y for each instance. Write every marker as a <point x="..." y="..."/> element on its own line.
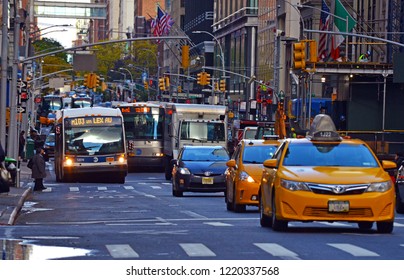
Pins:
<point x="5" y="179"/>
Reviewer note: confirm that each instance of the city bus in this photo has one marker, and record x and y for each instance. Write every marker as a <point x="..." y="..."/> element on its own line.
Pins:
<point x="90" y="143"/>
<point x="144" y="133"/>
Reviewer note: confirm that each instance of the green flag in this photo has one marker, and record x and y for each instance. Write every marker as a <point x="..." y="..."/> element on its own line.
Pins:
<point x="342" y="17"/>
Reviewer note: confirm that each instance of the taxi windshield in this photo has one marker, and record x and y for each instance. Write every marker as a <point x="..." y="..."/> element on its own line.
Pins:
<point x="258" y="154"/>
<point x="329" y="154"/>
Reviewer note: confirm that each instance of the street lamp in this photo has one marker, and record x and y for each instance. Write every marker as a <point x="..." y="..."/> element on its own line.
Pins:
<point x="124" y="78"/>
<point x="158" y="68"/>
<point x="218" y="43"/>
<point x="131" y="81"/>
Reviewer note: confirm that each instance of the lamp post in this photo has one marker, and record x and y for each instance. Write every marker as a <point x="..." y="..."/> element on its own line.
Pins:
<point x="221" y="55"/>
<point x="131" y="81"/>
<point x="158" y="68"/>
<point x="124" y="78"/>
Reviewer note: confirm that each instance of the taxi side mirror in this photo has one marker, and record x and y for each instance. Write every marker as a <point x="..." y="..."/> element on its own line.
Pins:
<point x="271" y="163"/>
<point x="387" y="164"/>
<point x="231" y="163"/>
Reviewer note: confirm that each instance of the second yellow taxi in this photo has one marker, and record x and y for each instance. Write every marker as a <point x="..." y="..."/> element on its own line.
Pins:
<point x="324" y="177"/>
<point x="244" y="172"/>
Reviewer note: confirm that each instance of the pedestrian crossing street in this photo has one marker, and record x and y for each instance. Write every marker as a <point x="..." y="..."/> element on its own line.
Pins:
<point x="273" y="250"/>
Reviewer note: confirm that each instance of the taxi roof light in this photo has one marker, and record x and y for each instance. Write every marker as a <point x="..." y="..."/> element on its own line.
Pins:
<point x="323" y="129"/>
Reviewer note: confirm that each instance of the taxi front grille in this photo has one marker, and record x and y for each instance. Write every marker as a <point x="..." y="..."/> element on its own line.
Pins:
<point x="323" y="212"/>
<point x="337" y="189"/>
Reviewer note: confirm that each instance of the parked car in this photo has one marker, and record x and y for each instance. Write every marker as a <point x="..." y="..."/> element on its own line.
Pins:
<point x="49" y="146"/>
<point x="325" y="177"/>
<point x="199" y="169"/>
<point x="244" y="172"/>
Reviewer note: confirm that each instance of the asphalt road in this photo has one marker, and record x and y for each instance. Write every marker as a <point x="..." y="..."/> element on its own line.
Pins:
<point x="142" y="220"/>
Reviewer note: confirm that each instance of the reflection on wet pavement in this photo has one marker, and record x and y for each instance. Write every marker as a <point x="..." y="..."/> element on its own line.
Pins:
<point x="18" y="250"/>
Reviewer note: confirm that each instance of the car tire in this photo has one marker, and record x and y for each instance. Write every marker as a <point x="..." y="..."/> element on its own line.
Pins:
<point x="365" y="225"/>
<point x="177" y="193"/>
<point x="385" y="227"/>
<point x="265" y="221"/>
<point x="399" y="204"/>
<point x="277" y="225"/>
<point x="238" y="208"/>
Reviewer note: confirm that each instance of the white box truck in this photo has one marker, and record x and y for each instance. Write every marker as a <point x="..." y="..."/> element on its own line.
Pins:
<point x="192" y="124"/>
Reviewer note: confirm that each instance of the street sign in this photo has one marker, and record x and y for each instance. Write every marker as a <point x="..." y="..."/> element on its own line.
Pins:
<point x="144" y="76"/>
<point x="21" y="109"/>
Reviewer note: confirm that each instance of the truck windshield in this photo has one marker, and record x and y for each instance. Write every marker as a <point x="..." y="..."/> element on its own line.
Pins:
<point x="203" y="131"/>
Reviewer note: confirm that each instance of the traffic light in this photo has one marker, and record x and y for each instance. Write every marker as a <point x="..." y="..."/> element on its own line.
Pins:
<point x="146" y="85"/>
<point x="162" y="85"/>
<point x="96" y="81"/>
<point x="167" y="82"/>
<point x="185" y="56"/>
<point x="313" y="51"/>
<point x="199" y="78"/>
<point x="217" y="86"/>
<point x="104" y="86"/>
<point x="86" y="80"/>
<point x="207" y="78"/>
<point x="203" y="78"/>
<point x="222" y="85"/>
<point x="299" y="55"/>
<point x="179" y="89"/>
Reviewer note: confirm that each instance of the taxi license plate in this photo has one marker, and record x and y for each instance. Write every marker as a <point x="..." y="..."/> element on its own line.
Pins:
<point x="110" y="159"/>
<point x="338" y="206"/>
<point x="207" y="180"/>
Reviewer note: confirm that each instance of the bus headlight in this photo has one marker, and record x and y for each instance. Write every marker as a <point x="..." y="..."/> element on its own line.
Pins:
<point x="121" y="159"/>
<point x="68" y="161"/>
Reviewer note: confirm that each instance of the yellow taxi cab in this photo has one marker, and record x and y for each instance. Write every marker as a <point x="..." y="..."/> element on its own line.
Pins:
<point x="325" y="177"/>
<point x="244" y="172"/>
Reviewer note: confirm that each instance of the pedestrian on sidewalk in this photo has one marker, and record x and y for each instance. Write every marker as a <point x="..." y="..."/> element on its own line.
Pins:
<point x="38" y="169"/>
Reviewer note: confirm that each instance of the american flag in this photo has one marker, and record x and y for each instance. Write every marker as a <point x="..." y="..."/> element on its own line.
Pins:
<point x="161" y="25"/>
<point x="324" y="26"/>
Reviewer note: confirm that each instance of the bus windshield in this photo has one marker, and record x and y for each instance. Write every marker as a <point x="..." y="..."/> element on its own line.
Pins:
<point x="94" y="140"/>
<point x="203" y="131"/>
<point x="144" y="125"/>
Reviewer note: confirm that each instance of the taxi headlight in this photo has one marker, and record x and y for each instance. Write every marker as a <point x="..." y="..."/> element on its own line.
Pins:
<point x="245" y="177"/>
<point x="294" y="186"/>
<point x="380" y="187"/>
<point x="184" y="171"/>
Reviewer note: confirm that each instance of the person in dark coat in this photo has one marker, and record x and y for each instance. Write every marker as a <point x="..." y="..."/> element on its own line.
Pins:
<point x="2" y="154"/>
<point x="38" y="169"/>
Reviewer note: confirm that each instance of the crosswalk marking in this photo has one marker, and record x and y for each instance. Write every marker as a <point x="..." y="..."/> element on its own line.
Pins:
<point x="128" y="188"/>
<point x="102" y="188"/>
<point x="353" y="250"/>
<point x="121" y="251"/>
<point x="74" y="189"/>
<point x="398" y="224"/>
<point x="277" y="250"/>
<point x="197" y="250"/>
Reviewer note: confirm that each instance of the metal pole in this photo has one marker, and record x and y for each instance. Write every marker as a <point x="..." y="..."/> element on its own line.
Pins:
<point x="4" y="57"/>
<point x="12" y="141"/>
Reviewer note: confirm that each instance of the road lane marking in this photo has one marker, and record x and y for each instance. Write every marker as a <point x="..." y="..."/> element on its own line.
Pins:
<point x="128" y="187"/>
<point x="277" y="251"/>
<point x="194" y="215"/>
<point x="74" y="189"/>
<point x="218" y="224"/>
<point x="197" y="250"/>
<point x="155" y="187"/>
<point x="121" y="251"/>
<point x="102" y="188"/>
<point x="353" y="250"/>
<point x="398" y="225"/>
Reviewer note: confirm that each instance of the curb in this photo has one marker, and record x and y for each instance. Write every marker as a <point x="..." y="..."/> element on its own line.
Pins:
<point x="18" y="207"/>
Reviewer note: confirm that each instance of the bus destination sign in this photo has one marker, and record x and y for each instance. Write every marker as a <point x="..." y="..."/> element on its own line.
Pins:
<point x="92" y="121"/>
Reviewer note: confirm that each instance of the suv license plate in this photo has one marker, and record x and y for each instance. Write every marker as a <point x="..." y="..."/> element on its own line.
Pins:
<point x="207" y="180"/>
<point x="338" y="206"/>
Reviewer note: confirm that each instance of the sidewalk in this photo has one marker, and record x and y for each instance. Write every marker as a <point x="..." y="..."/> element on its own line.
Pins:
<point x="12" y="202"/>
